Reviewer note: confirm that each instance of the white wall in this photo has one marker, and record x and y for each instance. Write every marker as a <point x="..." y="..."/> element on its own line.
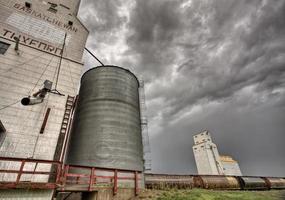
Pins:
<point x="23" y="72"/>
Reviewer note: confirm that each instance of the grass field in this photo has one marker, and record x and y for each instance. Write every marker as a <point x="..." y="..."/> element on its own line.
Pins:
<point x="200" y="194"/>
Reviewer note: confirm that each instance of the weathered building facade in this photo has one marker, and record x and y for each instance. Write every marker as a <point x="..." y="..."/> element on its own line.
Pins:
<point x="39" y="40"/>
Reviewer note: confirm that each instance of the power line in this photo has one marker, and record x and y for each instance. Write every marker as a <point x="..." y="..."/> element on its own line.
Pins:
<point x="41" y="76"/>
<point x="61" y="55"/>
<point x="7" y="106"/>
<point x="27" y="61"/>
<point x="29" y="93"/>
<point x="93" y="56"/>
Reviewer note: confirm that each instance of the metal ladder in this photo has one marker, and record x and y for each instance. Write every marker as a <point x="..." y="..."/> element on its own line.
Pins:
<point x="64" y="126"/>
<point x="66" y="116"/>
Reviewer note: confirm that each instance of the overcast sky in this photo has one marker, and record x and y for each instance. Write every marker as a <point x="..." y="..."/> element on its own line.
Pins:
<point x="214" y="65"/>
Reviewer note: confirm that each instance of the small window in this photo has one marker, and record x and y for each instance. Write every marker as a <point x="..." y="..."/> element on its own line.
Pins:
<point x="202" y="146"/>
<point x="28" y="5"/>
<point x="2" y="133"/>
<point x="3" y="47"/>
<point x="70" y="23"/>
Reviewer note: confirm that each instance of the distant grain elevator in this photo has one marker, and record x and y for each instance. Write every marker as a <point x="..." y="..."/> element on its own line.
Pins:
<point x="208" y="159"/>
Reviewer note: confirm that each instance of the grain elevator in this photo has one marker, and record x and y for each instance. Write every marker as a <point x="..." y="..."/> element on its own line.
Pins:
<point x="209" y="161"/>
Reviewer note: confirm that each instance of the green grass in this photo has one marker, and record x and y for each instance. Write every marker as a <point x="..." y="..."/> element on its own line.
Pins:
<point x="200" y="194"/>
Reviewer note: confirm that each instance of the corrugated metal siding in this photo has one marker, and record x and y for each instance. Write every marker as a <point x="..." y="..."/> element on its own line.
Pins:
<point x="106" y="130"/>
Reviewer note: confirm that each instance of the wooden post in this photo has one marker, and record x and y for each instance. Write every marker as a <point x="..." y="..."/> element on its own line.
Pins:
<point x="136" y="184"/>
<point x="115" y="189"/>
<point x="91" y="179"/>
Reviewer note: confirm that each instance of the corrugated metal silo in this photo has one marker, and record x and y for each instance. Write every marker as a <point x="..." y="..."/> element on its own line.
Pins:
<point x="106" y="129"/>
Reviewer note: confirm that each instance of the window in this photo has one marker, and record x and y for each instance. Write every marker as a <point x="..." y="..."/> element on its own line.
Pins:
<point x="28" y="5"/>
<point x="70" y="23"/>
<point x="3" y="47"/>
<point x="2" y="133"/>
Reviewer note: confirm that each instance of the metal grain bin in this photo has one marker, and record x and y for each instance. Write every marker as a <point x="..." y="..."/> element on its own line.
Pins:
<point x="219" y="182"/>
<point x="253" y="183"/>
<point x="107" y="129"/>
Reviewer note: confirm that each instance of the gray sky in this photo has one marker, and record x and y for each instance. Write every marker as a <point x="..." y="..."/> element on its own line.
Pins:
<point x="215" y="65"/>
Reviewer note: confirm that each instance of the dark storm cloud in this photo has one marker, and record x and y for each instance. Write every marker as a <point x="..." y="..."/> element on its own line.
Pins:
<point x="217" y="65"/>
<point x="154" y="25"/>
<point x="252" y="54"/>
<point x="104" y="16"/>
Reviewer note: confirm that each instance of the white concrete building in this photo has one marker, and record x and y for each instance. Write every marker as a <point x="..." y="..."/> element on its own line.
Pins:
<point x="208" y="159"/>
<point x="230" y="166"/>
<point x="32" y="35"/>
<point x="206" y="155"/>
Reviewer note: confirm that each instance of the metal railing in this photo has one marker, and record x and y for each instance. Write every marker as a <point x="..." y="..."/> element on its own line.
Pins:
<point x="30" y="173"/>
<point x="37" y="174"/>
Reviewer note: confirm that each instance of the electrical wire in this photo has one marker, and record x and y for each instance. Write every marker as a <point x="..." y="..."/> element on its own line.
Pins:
<point x="61" y="56"/>
<point x="7" y="106"/>
<point x="29" y="93"/>
<point x="73" y="85"/>
<point x="93" y="56"/>
<point x="27" y="61"/>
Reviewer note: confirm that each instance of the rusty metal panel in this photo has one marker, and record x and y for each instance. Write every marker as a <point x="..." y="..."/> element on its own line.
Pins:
<point x="107" y="128"/>
<point x="253" y="183"/>
<point x="219" y="182"/>
<point x="163" y="181"/>
<point x="276" y="183"/>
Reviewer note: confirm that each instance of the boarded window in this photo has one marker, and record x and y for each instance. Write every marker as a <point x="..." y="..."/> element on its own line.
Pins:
<point x="3" y="47"/>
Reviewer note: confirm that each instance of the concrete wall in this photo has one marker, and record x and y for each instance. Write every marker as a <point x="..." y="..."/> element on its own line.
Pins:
<point x="42" y="29"/>
<point x="25" y="194"/>
<point x="207" y="159"/>
<point x="23" y="72"/>
<point x="231" y="168"/>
